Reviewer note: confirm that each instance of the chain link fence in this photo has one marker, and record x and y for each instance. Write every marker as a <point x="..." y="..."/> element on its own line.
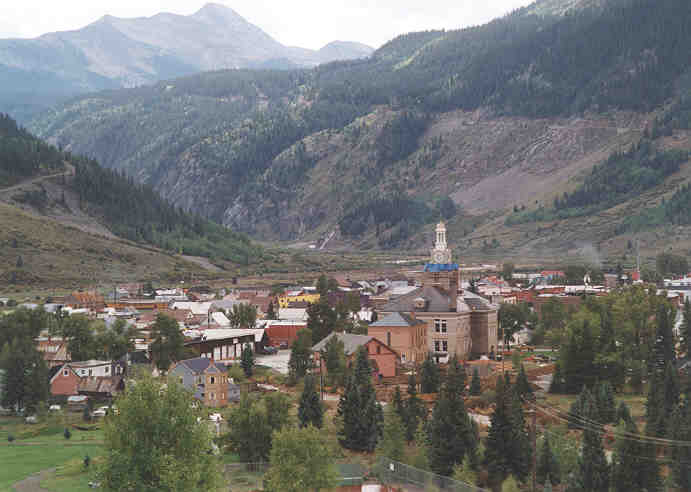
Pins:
<point x="411" y="479"/>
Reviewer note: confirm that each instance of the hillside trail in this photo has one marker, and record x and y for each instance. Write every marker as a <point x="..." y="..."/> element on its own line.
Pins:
<point x="32" y="483"/>
<point x="68" y="172"/>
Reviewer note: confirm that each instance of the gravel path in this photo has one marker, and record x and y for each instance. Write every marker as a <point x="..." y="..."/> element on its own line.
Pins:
<point x="33" y="482"/>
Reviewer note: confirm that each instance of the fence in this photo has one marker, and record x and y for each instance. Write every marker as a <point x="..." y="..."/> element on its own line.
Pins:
<point x="245" y="477"/>
<point x="408" y="478"/>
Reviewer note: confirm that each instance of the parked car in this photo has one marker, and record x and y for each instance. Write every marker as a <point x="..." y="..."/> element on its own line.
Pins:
<point x="283" y="345"/>
<point x="31" y="419"/>
<point x="101" y="412"/>
<point x="54" y="408"/>
<point x="269" y="350"/>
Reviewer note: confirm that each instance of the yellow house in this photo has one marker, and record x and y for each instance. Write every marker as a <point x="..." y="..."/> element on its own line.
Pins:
<point x="297" y="296"/>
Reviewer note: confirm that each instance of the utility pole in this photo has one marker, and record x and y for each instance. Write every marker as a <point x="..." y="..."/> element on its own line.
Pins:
<point x="533" y="413"/>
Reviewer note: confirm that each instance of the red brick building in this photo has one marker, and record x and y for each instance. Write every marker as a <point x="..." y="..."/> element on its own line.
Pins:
<point x="383" y="359"/>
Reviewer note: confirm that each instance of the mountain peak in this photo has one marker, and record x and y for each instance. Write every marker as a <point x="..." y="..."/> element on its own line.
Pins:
<point x="216" y="11"/>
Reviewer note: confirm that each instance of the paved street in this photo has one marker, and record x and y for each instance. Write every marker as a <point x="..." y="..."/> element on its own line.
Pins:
<point x="278" y="362"/>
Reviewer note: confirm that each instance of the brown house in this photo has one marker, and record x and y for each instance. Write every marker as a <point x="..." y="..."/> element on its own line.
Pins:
<point x="404" y="333"/>
<point x="86" y="300"/>
<point x="383" y="359"/>
<point x="65" y="382"/>
<point x="207" y="380"/>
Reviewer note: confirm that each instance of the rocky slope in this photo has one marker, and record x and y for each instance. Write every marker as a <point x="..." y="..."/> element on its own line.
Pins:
<point x="114" y="52"/>
<point x="369" y="152"/>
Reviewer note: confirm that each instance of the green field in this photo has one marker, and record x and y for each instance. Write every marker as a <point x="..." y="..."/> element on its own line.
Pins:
<point x="41" y="447"/>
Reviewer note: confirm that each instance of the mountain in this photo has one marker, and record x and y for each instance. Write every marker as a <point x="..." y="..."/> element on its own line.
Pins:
<point x="467" y="125"/>
<point x="76" y="203"/>
<point x="113" y="53"/>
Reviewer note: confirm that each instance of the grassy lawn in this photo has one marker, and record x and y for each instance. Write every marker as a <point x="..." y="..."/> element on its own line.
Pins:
<point x="42" y="446"/>
<point x="71" y="477"/>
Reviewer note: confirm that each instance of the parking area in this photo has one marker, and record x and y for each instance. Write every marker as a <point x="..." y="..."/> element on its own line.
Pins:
<point x="278" y="362"/>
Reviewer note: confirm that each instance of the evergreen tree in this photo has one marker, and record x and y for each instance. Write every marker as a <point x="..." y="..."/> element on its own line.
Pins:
<point x="25" y="379"/>
<point x="628" y="460"/>
<point x="271" y="311"/>
<point x="450" y="431"/>
<point x="578" y="359"/>
<point x="508" y="448"/>
<point x="392" y="442"/>
<point x="415" y="411"/>
<point x="680" y="429"/>
<point x="300" y="353"/>
<point x="429" y="375"/>
<point x="547" y="465"/>
<point x="623" y="413"/>
<point x="606" y="405"/>
<point x="168" y="342"/>
<point x="455" y="376"/>
<point x="592" y="473"/>
<point x="523" y="388"/>
<point x="578" y="409"/>
<point x="475" y="384"/>
<point x="397" y="403"/>
<point x="685" y="329"/>
<point x="310" y="410"/>
<point x="360" y="414"/>
<point x="247" y="360"/>
<point x="663" y="351"/>
<point x="557" y="384"/>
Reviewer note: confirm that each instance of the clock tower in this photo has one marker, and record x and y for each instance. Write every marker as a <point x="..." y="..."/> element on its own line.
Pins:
<point x="440" y="254"/>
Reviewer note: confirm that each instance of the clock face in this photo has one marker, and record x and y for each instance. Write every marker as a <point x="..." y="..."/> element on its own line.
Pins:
<point x="439" y="256"/>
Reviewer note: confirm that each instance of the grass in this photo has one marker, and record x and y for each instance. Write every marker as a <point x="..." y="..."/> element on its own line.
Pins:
<point x="42" y="446"/>
<point x="72" y="476"/>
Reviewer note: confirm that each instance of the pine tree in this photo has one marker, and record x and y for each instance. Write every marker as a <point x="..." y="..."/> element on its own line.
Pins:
<point x="628" y="461"/>
<point x="310" y="410"/>
<point x="271" y="311"/>
<point x="623" y="413"/>
<point x="670" y="400"/>
<point x="606" y="405"/>
<point x="392" y="443"/>
<point x="557" y="384"/>
<point x="358" y="409"/>
<point x="247" y="360"/>
<point x="685" y="329"/>
<point x="547" y="465"/>
<point x="523" y="388"/>
<point x="397" y="403"/>
<point x="578" y="409"/>
<point x="415" y="411"/>
<point x="429" y="376"/>
<point x="663" y="351"/>
<point x="680" y="429"/>
<point x="500" y="450"/>
<point x="592" y="473"/>
<point x="522" y="450"/>
<point x="455" y="376"/>
<point x="475" y="384"/>
<point x="450" y="431"/>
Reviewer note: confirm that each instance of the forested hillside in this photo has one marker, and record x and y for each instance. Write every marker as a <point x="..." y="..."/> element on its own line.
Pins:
<point x="488" y="116"/>
<point x="128" y="209"/>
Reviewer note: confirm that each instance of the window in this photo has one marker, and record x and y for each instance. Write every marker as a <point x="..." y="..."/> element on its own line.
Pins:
<point x="378" y="349"/>
<point x="440" y="325"/>
<point x="403" y="357"/>
<point x="444" y="346"/>
<point x="212" y="396"/>
<point x="107" y="369"/>
<point x="91" y="372"/>
<point x="213" y="380"/>
<point x="66" y="372"/>
<point x="437" y="345"/>
<point x="388" y="338"/>
<point x="83" y="372"/>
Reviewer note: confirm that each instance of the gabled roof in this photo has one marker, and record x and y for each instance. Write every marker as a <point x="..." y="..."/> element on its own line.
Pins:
<point x="398" y="319"/>
<point x="437" y="301"/>
<point x="350" y="341"/>
<point x="199" y="364"/>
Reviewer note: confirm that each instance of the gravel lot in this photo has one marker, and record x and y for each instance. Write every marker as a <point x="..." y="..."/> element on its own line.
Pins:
<point x="278" y="362"/>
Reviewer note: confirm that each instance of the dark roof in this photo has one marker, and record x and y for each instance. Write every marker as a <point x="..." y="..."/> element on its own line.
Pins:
<point x="350" y="341"/>
<point x="199" y="364"/>
<point x="398" y="319"/>
<point x="437" y="301"/>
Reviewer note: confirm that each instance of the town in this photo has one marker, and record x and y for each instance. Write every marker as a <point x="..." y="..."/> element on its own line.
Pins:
<point x="373" y="367"/>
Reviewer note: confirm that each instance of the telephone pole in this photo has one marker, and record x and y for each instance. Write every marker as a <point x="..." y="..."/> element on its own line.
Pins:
<point x="533" y="413"/>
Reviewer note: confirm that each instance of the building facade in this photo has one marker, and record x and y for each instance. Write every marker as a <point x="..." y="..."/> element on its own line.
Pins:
<point x="458" y="322"/>
<point x="403" y="333"/>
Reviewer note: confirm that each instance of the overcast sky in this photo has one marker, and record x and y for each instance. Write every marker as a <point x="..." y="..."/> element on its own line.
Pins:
<point x="304" y="23"/>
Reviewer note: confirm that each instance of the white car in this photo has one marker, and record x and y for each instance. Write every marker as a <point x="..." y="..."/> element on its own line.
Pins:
<point x="54" y="408"/>
<point x="100" y="412"/>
